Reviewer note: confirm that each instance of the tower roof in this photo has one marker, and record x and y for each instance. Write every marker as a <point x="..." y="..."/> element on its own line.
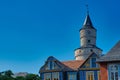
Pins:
<point x="87" y="23"/>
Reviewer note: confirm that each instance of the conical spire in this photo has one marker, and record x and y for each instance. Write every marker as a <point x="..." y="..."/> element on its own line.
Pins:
<point x="87" y="21"/>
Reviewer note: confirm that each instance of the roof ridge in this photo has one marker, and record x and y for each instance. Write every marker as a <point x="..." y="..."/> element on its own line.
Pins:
<point x="72" y="60"/>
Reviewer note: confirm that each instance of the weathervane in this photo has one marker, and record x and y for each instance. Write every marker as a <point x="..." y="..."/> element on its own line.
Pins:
<point x="87" y="8"/>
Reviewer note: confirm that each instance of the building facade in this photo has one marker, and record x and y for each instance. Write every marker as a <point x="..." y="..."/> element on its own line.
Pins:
<point x="84" y="67"/>
<point x="110" y="64"/>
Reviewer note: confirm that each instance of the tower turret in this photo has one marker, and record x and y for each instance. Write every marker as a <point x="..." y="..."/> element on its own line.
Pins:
<point x="87" y="33"/>
<point x="87" y="41"/>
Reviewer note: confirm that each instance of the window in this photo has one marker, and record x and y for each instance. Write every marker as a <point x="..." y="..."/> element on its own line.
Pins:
<point x="98" y="75"/>
<point x="48" y="66"/>
<point x="87" y="64"/>
<point x="53" y="65"/>
<point x="91" y="50"/>
<point x="47" y="76"/>
<point x="55" y="76"/>
<point x="93" y="62"/>
<point x="72" y="76"/>
<point x="88" y="41"/>
<point x="113" y="72"/>
<point x="89" y="75"/>
<point x="51" y="76"/>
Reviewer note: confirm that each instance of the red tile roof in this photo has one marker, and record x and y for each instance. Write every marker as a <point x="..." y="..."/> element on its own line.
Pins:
<point x="75" y="64"/>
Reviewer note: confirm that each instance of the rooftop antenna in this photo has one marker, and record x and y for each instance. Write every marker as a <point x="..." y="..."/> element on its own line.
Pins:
<point x="87" y="8"/>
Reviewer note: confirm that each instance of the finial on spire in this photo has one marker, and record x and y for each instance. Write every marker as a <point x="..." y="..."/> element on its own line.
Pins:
<point x="87" y="8"/>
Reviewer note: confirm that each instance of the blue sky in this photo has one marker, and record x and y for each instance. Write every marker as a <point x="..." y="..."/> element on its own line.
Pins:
<point x="32" y="30"/>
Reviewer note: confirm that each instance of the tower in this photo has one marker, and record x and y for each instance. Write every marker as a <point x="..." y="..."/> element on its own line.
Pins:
<point x="87" y="40"/>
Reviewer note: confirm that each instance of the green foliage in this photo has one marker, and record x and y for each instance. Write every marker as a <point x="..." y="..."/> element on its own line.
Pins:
<point x="7" y="75"/>
<point x="20" y="78"/>
<point x="4" y="77"/>
<point x="32" y="77"/>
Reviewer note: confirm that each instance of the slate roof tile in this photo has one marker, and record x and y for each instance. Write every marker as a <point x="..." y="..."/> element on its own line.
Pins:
<point x="112" y="55"/>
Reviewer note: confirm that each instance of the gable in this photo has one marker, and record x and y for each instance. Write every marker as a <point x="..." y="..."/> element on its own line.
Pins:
<point x="52" y="64"/>
<point x="90" y="62"/>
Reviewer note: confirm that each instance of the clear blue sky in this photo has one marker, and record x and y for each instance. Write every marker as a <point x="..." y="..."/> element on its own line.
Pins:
<point x="32" y="30"/>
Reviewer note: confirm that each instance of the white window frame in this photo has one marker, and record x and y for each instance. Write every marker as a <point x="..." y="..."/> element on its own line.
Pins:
<point x="98" y="74"/>
<point x="109" y="71"/>
<point x="88" y="72"/>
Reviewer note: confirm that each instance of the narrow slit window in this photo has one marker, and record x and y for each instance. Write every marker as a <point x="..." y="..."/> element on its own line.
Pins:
<point x="89" y="41"/>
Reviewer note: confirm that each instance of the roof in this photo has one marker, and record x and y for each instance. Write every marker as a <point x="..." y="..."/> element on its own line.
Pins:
<point x="87" y="23"/>
<point x="112" y="55"/>
<point x="62" y="67"/>
<point x="75" y="64"/>
<point x="72" y="65"/>
<point x="93" y="46"/>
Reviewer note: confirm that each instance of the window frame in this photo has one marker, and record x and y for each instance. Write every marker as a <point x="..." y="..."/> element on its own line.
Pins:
<point x="53" y="75"/>
<point x="98" y="74"/>
<point x="87" y="74"/>
<point x="46" y="76"/>
<point x="113" y="71"/>
<point x="91" y="62"/>
<point x="73" y="74"/>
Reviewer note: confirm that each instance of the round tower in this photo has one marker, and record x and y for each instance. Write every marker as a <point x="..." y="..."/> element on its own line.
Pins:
<point x="87" y="33"/>
<point x="87" y="41"/>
